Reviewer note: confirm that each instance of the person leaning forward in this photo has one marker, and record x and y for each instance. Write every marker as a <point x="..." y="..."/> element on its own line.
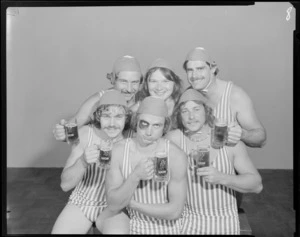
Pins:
<point x="154" y="207"/>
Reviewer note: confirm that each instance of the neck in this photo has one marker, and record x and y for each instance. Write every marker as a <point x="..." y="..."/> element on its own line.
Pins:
<point x="117" y="138"/>
<point x="199" y="134"/>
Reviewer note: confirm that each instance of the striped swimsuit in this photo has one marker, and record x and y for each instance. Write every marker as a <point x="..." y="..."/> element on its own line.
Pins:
<point x="89" y="193"/>
<point x="210" y="208"/>
<point x="223" y="108"/>
<point x="148" y="191"/>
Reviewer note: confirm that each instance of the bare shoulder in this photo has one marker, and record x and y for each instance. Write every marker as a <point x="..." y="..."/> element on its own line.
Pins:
<point x="174" y="136"/>
<point x="238" y="93"/>
<point x="176" y="151"/>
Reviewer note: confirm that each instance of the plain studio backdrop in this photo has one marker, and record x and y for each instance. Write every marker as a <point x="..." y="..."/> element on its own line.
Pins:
<point x="59" y="56"/>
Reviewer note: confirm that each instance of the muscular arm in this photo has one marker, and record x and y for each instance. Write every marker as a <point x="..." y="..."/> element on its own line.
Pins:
<point x="118" y="190"/>
<point x="253" y="132"/>
<point x="84" y="113"/>
<point x="76" y="165"/>
<point x="177" y="189"/>
<point x="248" y="178"/>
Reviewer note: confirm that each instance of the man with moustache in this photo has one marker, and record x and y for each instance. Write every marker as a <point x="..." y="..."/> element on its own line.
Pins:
<point x="86" y="177"/>
<point x="227" y="100"/>
<point x="126" y="77"/>
<point x="154" y="207"/>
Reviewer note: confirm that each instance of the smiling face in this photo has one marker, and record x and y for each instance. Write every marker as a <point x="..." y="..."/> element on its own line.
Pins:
<point x="149" y="128"/>
<point x="159" y="85"/>
<point x="112" y="120"/>
<point x="128" y="83"/>
<point x="199" y="74"/>
<point x="192" y="115"/>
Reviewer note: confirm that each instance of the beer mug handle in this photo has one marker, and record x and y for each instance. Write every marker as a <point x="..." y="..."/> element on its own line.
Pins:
<point x="191" y="160"/>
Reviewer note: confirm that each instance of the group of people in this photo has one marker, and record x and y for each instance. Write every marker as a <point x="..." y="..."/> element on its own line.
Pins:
<point x="143" y="115"/>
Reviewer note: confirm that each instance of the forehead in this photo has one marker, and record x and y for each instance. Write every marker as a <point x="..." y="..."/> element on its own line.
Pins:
<point x="113" y="109"/>
<point x="194" y="64"/>
<point x="157" y="75"/>
<point x="151" y="119"/>
<point x="129" y="76"/>
<point x="191" y="104"/>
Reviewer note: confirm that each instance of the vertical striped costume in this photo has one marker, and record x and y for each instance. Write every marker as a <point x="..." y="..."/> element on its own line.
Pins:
<point x="211" y="208"/>
<point x="89" y="193"/>
<point x="148" y="191"/>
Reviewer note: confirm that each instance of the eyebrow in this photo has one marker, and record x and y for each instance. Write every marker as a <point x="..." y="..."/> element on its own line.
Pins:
<point x="144" y="121"/>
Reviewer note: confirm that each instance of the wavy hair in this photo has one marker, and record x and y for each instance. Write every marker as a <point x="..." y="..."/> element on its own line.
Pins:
<point x="177" y="119"/>
<point x="102" y="108"/>
<point x="167" y="73"/>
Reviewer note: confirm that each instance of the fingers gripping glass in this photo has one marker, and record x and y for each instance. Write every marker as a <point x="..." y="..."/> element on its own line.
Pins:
<point x="71" y="130"/>
<point x="105" y="149"/>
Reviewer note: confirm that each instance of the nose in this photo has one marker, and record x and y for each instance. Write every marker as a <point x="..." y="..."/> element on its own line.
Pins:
<point x="129" y="87"/>
<point x="159" y="86"/>
<point x="149" y="131"/>
<point x="191" y="115"/>
<point x="194" y="74"/>
<point x="112" y="121"/>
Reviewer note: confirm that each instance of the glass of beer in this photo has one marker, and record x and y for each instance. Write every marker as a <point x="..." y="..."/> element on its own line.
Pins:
<point x="161" y="167"/>
<point x="105" y="153"/>
<point x="199" y="157"/>
<point x="71" y="130"/>
<point x="219" y="133"/>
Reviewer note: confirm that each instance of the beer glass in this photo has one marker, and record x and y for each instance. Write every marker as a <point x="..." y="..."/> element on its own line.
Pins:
<point x="105" y="149"/>
<point x="199" y="157"/>
<point x="71" y="130"/>
<point x="161" y="167"/>
<point x="219" y="133"/>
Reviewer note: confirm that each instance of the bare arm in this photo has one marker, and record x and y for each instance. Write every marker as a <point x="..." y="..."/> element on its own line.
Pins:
<point x="248" y="178"/>
<point x="76" y="164"/>
<point x="119" y="191"/>
<point x="84" y="113"/>
<point x="177" y="189"/>
<point x="253" y="132"/>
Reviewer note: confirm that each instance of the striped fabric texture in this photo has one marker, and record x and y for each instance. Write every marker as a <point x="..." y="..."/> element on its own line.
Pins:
<point x="211" y="209"/>
<point x="89" y="194"/>
<point x="149" y="191"/>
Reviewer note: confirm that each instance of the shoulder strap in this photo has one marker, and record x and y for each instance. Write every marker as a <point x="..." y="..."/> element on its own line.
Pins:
<point x="90" y="135"/>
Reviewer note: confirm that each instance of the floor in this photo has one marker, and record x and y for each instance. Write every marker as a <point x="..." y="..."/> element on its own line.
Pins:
<point x="34" y="200"/>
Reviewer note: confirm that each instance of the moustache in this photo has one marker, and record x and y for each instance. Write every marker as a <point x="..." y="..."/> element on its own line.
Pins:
<point x="111" y="127"/>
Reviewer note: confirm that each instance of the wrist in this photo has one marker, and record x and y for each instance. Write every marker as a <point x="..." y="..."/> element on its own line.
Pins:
<point x="225" y="179"/>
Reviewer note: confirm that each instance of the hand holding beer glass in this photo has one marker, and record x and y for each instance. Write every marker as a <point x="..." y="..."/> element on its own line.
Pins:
<point x="105" y="149"/>
<point x="219" y="133"/>
<point x="161" y="167"/>
<point x="71" y="130"/>
<point x="199" y="157"/>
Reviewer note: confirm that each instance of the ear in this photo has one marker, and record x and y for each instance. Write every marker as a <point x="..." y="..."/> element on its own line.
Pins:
<point x="110" y="76"/>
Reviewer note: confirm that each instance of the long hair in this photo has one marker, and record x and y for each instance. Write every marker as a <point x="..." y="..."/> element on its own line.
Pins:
<point x="167" y="73"/>
<point x="136" y="116"/>
<point x="177" y="119"/>
<point x="102" y="108"/>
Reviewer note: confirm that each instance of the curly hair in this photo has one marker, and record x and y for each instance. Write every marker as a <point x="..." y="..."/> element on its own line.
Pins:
<point x="136" y="116"/>
<point x="99" y="110"/>
<point x="177" y="119"/>
<point x="167" y="73"/>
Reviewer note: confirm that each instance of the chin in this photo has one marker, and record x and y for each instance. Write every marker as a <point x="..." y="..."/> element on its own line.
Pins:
<point x="112" y="134"/>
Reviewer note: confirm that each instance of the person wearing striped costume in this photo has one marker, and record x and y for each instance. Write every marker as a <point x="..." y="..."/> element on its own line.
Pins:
<point x="83" y="173"/>
<point x="211" y="202"/>
<point x="227" y="100"/>
<point x="126" y="77"/>
<point x="154" y="207"/>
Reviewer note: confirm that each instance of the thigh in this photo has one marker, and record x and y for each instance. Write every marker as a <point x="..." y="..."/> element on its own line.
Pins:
<point x="111" y="223"/>
<point x="71" y="221"/>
